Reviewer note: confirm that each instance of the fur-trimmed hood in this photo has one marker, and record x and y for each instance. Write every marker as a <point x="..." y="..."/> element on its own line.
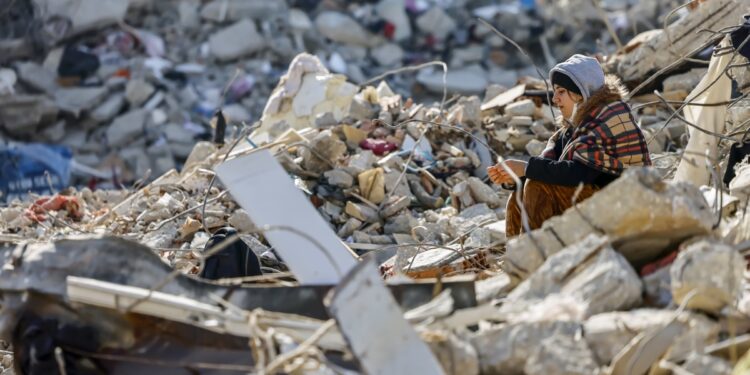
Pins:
<point x="612" y="91"/>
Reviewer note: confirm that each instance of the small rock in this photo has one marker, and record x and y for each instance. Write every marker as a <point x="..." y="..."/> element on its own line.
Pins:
<point x="189" y="227"/>
<point x="349" y="227"/>
<point x="109" y="108"/>
<point x="388" y="54"/>
<point x="561" y="355"/>
<point x="521" y="121"/>
<point x="394" y="11"/>
<point x="126" y="127"/>
<point x="394" y="205"/>
<point x="340" y="178"/>
<point x="361" y="212"/>
<point x="324" y="120"/>
<point x="325" y="145"/>
<point x="241" y="221"/>
<point x="524" y="107"/>
<point x="341" y="28"/>
<point x="436" y="22"/>
<point x="482" y="193"/>
<point x="137" y="91"/>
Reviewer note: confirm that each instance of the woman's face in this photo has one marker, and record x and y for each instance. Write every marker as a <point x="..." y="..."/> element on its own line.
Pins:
<point x="564" y="100"/>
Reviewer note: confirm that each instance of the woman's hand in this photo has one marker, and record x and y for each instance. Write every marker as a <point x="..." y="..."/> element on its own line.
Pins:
<point x="499" y="175"/>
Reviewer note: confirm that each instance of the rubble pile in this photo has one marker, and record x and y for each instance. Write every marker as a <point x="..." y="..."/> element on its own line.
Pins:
<point x="130" y="86"/>
<point x="646" y="276"/>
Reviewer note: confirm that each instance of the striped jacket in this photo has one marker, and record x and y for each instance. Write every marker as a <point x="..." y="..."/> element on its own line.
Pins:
<point x="605" y="136"/>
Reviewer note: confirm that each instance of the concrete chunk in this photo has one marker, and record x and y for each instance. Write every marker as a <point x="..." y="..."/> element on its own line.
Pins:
<point x="710" y="272"/>
<point x="483" y="193"/>
<point x="524" y="107"/>
<point x="506" y="349"/>
<point x="234" y="10"/>
<point x="645" y="216"/>
<point x="79" y="99"/>
<point x="589" y="271"/>
<point x="341" y="28"/>
<point x="561" y="355"/>
<point x="126" y="127"/>
<point x="235" y="41"/>
<point x="340" y="178"/>
<point x="608" y="333"/>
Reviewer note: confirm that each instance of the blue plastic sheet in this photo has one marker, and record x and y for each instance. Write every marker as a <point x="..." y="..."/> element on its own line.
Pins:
<point x="23" y="166"/>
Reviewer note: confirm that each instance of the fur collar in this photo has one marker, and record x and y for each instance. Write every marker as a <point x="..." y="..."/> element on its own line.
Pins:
<point x="612" y="91"/>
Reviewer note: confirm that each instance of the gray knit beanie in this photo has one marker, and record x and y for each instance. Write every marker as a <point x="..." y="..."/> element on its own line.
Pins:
<point x="584" y="71"/>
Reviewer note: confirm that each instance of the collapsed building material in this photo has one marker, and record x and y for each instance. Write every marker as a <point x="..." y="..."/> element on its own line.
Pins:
<point x="590" y="272"/>
<point x="660" y="48"/>
<point x="316" y="258"/>
<point x="707" y="276"/>
<point x="646" y="216"/>
<point x="387" y="344"/>
<point x="561" y="355"/>
<point x="608" y="333"/>
<point x="520" y="340"/>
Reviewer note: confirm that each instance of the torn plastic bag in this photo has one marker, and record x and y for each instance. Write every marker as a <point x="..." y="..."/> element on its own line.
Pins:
<point x="23" y="166"/>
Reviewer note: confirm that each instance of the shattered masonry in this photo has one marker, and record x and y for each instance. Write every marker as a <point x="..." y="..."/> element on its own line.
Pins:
<point x="121" y="100"/>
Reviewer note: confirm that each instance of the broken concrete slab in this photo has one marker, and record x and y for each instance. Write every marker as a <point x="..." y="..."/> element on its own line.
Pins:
<point x="608" y="333"/>
<point x="647" y="216"/>
<point x="639" y="58"/>
<point x="329" y="260"/>
<point x="590" y="272"/>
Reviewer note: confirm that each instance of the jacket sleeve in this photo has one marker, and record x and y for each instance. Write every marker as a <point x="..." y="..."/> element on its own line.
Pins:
<point x="566" y="172"/>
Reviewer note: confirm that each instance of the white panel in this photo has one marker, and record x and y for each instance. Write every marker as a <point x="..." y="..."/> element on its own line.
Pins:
<point x="264" y="189"/>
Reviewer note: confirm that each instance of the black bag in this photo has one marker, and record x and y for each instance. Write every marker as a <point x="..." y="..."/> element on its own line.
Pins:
<point x="235" y="260"/>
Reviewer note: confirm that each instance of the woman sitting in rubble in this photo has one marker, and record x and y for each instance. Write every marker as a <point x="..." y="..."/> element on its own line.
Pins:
<point x="598" y="138"/>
